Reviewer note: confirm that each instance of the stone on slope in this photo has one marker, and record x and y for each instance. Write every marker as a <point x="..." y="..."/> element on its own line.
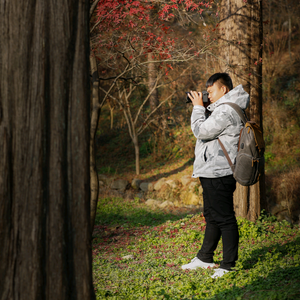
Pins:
<point x="159" y="184"/>
<point x="120" y="185"/>
<point x="166" y="204"/>
<point x="135" y="183"/>
<point x="152" y="203"/>
<point x="146" y="186"/>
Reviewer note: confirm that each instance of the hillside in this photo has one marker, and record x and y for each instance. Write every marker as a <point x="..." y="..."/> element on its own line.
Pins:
<point x="167" y="145"/>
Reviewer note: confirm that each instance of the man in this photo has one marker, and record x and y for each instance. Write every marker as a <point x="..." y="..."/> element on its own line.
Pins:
<point x="213" y="170"/>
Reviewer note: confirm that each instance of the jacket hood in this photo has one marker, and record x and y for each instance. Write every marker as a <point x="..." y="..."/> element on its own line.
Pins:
<point x="237" y="95"/>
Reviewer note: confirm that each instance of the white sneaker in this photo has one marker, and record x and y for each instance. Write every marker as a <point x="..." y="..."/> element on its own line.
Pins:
<point x="219" y="273"/>
<point x="197" y="263"/>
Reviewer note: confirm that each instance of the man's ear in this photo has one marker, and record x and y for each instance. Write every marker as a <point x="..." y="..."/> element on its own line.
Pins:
<point x="225" y="89"/>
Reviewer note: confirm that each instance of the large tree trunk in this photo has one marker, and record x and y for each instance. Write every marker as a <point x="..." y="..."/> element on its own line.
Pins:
<point x="241" y="40"/>
<point x="45" y="235"/>
<point x="95" y="113"/>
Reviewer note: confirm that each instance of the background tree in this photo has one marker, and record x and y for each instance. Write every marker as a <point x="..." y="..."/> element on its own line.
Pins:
<point x="172" y="143"/>
<point x="45" y="236"/>
<point x="241" y="55"/>
<point x="137" y="50"/>
<point x="95" y="115"/>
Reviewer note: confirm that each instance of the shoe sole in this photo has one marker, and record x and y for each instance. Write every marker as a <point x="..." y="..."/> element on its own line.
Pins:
<point x="194" y="268"/>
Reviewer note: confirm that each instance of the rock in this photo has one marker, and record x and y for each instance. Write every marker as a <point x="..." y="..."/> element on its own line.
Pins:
<point x="196" y="188"/>
<point x="159" y="184"/>
<point x="191" y="198"/>
<point x="139" y="195"/>
<point x="176" y="203"/>
<point x="171" y="183"/>
<point x="277" y="208"/>
<point x="191" y="206"/>
<point x="107" y="180"/>
<point x="130" y="256"/>
<point x="146" y="186"/>
<point x="119" y="185"/>
<point x="101" y="183"/>
<point x="284" y="215"/>
<point x="166" y="204"/>
<point x="166" y="193"/>
<point x="152" y="203"/>
<point x="284" y="203"/>
<point x="185" y="179"/>
<point x="136" y="183"/>
<point x="200" y="188"/>
<point x="193" y="186"/>
<point x="115" y="193"/>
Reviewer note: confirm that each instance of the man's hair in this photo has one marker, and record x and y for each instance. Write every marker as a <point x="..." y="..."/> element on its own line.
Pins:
<point x="221" y="79"/>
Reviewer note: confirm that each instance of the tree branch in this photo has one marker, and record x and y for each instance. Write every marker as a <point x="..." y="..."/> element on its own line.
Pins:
<point x="93" y="6"/>
<point x="104" y="18"/>
<point x="143" y="127"/>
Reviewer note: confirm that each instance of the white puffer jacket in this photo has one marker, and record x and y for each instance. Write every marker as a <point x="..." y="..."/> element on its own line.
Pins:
<point x="223" y="123"/>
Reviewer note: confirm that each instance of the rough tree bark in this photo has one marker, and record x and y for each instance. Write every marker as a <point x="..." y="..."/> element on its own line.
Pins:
<point x="241" y="52"/>
<point x="95" y="113"/>
<point x="45" y="235"/>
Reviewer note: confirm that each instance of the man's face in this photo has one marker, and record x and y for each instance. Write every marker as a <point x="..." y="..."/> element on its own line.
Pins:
<point x="216" y="91"/>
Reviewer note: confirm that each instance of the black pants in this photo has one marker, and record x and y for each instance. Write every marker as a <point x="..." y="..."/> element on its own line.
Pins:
<point x="220" y="220"/>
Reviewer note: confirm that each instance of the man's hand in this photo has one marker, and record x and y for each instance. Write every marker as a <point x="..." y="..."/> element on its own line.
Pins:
<point x="196" y="98"/>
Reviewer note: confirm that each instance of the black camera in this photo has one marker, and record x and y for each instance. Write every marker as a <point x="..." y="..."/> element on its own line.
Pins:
<point x="204" y="97"/>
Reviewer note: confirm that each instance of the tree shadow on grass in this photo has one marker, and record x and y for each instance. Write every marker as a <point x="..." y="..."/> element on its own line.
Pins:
<point x="281" y="283"/>
<point x="135" y="219"/>
<point x="120" y="212"/>
<point x="118" y="221"/>
<point x="278" y="250"/>
<point x="175" y="171"/>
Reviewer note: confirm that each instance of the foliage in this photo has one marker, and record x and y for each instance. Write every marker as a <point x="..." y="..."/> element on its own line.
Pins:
<point x="281" y="111"/>
<point x="267" y="268"/>
<point x="137" y="44"/>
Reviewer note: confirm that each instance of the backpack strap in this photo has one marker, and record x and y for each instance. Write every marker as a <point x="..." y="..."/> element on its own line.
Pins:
<point x="243" y="117"/>
<point x="239" y="111"/>
<point x="259" y="141"/>
<point x="226" y="155"/>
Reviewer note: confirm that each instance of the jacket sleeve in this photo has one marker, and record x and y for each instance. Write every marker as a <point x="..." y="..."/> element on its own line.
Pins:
<point x="210" y="128"/>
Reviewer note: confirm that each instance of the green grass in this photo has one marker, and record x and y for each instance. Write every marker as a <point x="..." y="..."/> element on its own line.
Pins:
<point x="268" y="266"/>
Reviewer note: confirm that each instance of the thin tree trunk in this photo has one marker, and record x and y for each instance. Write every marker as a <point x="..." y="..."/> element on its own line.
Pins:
<point x="290" y="28"/>
<point x="45" y="239"/>
<point x="111" y="118"/>
<point x="137" y="154"/>
<point x="152" y="74"/>
<point x="241" y="39"/>
<point x="111" y="111"/>
<point x="290" y="34"/>
<point x="95" y="113"/>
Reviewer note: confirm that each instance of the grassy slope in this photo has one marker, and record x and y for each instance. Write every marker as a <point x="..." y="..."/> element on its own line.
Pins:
<point x="269" y="257"/>
<point x="116" y="155"/>
<point x="268" y="265"/>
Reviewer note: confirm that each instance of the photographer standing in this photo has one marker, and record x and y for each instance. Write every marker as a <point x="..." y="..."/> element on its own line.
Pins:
<point x="213" y="170"/>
